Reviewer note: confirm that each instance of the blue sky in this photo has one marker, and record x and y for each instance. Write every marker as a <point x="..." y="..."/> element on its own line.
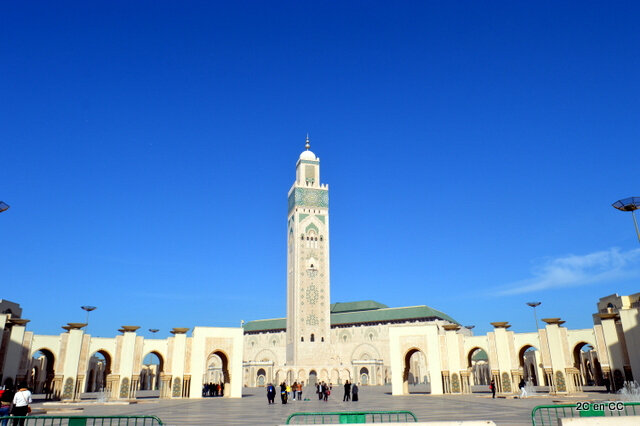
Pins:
<point x="473" y="150"/>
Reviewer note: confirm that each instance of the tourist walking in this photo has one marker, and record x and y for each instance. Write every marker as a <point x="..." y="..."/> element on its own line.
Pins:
<point x="354" y="392"/>
<point x="492" y="388"/>
<point x="283" y="392"/>
<point x="289" y="393"/>
<point x="523" y="391"/>
<point x="21" y="401"/>
<point x="319" y="390"/>
<point x="326" y="391"/>
<point x="347" y="391"/>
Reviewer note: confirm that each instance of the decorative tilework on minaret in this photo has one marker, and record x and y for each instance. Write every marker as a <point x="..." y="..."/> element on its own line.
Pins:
<point x="308" y="316"/>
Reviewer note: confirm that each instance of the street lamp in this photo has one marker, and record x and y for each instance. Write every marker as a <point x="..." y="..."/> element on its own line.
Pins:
<point x="534" y="305"/>
<point x="88" y="309"/>
<point x="3" y="206"/>
<point x="630" y="204"/>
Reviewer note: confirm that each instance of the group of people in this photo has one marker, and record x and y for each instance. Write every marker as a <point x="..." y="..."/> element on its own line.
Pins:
<point x="286" y="391"/>
<point x="213" y="389"/>
<point x="323" y="390"/>
<point x="15" y="403"/>
<point x="350" y="392"/>
<point x="522" y="386"/>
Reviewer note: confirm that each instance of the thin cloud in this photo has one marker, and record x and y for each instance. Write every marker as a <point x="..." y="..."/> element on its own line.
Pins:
<point x="575" y="271"/>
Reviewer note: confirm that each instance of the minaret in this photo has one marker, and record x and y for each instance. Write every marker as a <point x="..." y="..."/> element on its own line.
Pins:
<point x="308" y="320"/>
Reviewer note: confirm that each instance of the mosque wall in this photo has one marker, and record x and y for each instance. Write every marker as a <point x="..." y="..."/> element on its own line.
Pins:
<point x="66" y="366"/>
<point x="559" y="361"/>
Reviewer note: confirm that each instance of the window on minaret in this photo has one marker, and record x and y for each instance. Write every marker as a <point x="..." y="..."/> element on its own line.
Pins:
<point x="313" y="339"/>
<point x="312" y="239"/>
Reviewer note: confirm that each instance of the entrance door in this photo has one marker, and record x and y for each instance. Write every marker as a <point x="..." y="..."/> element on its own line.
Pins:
<point x="313" y="378"/>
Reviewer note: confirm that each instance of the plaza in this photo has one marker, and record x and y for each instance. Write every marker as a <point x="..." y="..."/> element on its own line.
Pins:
<point x="252" y="408"/>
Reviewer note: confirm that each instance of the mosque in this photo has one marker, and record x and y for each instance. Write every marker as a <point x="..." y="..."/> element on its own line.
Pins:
<point x="319" y="340"/>
<point x="362" y="341"/>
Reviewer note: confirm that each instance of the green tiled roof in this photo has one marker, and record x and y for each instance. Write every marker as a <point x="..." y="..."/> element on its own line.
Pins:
<point x="367" y="311"/>
<point x="480" y="355"/>
<point x="266" y="325"/>
<point x="388" y="314"/>
<point x="363" y="305"/>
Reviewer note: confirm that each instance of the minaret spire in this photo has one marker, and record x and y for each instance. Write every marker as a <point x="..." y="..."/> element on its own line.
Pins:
<point x="307" y="145"/>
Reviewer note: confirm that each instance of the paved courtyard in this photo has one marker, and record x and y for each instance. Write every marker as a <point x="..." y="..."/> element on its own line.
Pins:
<point x="253" y="409"/>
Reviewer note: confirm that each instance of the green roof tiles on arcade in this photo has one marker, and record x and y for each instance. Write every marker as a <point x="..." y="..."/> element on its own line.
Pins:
<point x="365" y="311"/>
<point x="388" y="315"/>
<point x="266" y="325"/>
<point x="363" y="305"/>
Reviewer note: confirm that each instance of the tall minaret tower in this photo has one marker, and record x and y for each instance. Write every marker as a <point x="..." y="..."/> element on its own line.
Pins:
<point x="308" y="317"/>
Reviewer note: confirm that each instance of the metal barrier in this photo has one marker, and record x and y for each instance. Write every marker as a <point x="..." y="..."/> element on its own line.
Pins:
<point x="84" y="420"/>
<point x="544" y="415"/>
<point x="351" y="417"/>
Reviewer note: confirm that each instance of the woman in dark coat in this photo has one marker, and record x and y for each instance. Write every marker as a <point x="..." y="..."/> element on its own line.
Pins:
<point x="354" y="392"/>
<point x="271" y="393"/>
<point x="283" y="392"/>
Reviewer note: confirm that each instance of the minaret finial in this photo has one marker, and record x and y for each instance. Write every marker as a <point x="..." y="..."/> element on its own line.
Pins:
<point x="307" y="145"/>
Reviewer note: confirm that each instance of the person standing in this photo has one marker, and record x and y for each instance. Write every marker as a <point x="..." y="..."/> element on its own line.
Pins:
<point x="21" y="401"/>
<point x="492" y="388"/>
<point x="5" y="405"/>
<point x="325" y="391"/>
<point x="319" y="390"/>
<point x="300" y="391"/>
<point x="271" y="393"/>
<point x="347" y="391"/>
<point x="289" y="391"/>
<point x="354" y="392"/>
<point x="283" y="392"/>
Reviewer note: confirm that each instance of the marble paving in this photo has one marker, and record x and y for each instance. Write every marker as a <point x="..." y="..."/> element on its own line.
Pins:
<point x="253" y="409"/>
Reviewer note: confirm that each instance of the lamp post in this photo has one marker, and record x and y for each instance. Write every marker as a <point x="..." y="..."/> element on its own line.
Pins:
<point x="88" y="309"/>
<point x="630" y="204"/>
<point x="3" y="206"/>
<point x="534" y="305"/>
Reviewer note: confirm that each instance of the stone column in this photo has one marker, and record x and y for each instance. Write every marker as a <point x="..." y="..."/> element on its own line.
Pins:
<point x="127" y="352"/>
<point x="613" y="345"/>
<point x="501" y="368"/>
<point x="13" y="354"/>
<point x="630" y="320"/>
<point x="453" y="347"/>
<point x="73" y="348"/>
<point x="559" y="363"/>
<point x="178" y="360"/>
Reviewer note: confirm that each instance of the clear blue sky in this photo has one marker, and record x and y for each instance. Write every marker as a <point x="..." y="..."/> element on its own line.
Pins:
<point x="473" y="150"/>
